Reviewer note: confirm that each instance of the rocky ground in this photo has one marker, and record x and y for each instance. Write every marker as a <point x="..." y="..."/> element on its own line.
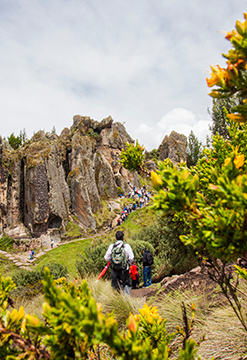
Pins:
<point x="197" y="279"/>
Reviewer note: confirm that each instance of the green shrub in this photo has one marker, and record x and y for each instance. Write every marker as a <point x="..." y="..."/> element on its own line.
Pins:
<point x="22" y="293"/>
<point x="57" y="270"/>
<point x="6" y="243"/>
<point x="171" y="255"/>
<point x="25" y="277"/>
<point x="93" y="261"/>
<point x="94" y="135"/>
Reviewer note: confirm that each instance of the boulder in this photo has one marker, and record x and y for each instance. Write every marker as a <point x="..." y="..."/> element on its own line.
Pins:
<point x="174" y="148"/>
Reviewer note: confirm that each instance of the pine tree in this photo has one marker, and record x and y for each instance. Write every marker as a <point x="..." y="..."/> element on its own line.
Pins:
<point x="194" y="149"/>
<point x="219" y="112"/>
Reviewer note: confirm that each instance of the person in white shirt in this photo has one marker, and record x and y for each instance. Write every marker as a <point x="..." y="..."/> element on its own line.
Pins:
<point x="120" y="278"/>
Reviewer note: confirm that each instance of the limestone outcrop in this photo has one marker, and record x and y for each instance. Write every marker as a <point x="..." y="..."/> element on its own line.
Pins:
<point x="174" y="148"/>
<point x="52" y="177"/>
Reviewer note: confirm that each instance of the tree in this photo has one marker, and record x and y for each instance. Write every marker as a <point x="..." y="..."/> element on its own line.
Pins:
<point x="194" y="149"/>
<point x="132" y="157"/>
<point x="14" y="141"/>
<point x="17" y="141"/>
<point x="220" y="109"/>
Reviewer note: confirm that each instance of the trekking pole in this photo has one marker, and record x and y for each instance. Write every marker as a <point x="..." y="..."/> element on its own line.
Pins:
<point x="103" y="271"/>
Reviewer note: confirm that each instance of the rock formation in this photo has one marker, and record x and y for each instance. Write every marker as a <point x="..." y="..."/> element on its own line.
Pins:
<point x="174" y="148"/>
<point x="52" y="177"/>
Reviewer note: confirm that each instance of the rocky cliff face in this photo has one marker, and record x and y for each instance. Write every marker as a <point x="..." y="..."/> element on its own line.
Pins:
<point x="52" y="177"/>
<point x="174" y="148"/>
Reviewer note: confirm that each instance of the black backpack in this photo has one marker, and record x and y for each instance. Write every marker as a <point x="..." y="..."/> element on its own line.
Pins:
<point x="118" y="257"/>
<point x="150" y="259"/>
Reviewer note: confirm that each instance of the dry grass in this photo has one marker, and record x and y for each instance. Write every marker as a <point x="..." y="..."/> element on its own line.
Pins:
<point x="121" y="304"/>
<point x="31" y="306"/>
<point x="225" y="337"/>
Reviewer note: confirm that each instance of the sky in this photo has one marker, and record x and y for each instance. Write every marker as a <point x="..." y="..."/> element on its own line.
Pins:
<point x="143" y="62"/>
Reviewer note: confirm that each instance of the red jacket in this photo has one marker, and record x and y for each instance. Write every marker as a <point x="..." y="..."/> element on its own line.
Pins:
<point x="133" y="272"/>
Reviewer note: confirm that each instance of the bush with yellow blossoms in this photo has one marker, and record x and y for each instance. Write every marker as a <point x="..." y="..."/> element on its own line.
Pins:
<point x="152" y="326"/>
<point x="212" y="199"/>
<point x="74" y="327"/>
<point x="233" y="78"/>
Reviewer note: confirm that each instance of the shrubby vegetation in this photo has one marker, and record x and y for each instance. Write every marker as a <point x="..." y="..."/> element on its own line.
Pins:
<point x="132" y="157"/>
<point x="25" y="277"/>
<point x="171" y="255"/>
<point x="17" y="141"/>
<point x="6" y="243"/>
<point x="74" y="327"/>
<point x="194" y="150"/>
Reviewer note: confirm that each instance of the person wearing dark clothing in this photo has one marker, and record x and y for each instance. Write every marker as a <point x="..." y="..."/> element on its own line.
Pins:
<point x="146" y="269"/>
<point x="120" y="278"/>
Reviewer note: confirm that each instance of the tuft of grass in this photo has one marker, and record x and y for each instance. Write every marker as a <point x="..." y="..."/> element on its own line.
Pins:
<point x="6" y="243"/>
<point x="6" y="266"/>
<point x="35" y="306"/>
<point x="112" y="301"/>
<point x="225" y="338"/>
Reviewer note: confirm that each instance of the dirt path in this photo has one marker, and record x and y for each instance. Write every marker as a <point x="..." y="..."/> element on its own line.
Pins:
<point x="22" y="260"/>
<point x="144" y="292"/>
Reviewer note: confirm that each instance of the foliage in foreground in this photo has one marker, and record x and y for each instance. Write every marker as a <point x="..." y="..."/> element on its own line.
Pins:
<point x="211" y="198"/>
<point x="74" y="325"/>
<point x="233" y="79"/>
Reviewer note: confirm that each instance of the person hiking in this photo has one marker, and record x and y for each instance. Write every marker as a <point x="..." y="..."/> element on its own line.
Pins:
<point x="134" y="276"/>
<point x="147" y="262"/>
<point x="121" y="255"/>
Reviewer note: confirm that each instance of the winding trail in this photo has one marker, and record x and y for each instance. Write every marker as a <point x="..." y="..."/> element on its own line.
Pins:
<point x="23" y="261"/>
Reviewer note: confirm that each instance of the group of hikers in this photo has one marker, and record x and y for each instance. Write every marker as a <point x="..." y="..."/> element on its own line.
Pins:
<point x="140" y="198"/>
<point x="124" y="272"/>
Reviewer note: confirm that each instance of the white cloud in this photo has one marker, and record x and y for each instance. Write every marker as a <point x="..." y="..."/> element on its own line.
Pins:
<point x="135" y="61"/>
<point x="144" y="129"/>
<point x="180" y="120"/>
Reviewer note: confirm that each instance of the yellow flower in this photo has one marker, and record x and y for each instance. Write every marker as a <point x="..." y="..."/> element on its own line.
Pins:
<point x="218" y="76"/>
<point x="239" y="161"/>
<point x="132" y="325"/>
<point x="150" y="314"/>
<point x="227" y="161"/>
<point x="156" y="180"/>
<point x="236" y="117"/>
